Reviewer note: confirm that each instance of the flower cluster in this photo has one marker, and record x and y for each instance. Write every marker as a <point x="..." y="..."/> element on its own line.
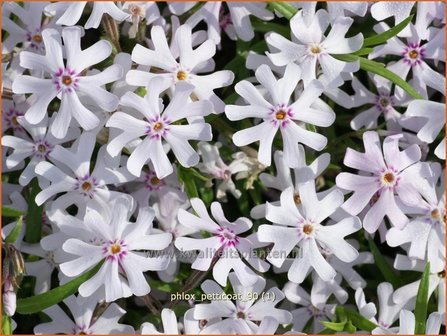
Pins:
<point x="223" y="167"/>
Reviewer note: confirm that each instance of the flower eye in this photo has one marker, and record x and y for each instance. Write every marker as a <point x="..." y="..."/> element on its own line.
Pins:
<point x="181" y="75"/>
<point x="280" y="115"/>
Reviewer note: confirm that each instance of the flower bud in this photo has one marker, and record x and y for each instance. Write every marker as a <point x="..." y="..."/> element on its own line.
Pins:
<point x="9" y="298"/>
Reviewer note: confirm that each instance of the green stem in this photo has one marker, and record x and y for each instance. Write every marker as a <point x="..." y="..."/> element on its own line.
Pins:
<point x="284" y="8"/>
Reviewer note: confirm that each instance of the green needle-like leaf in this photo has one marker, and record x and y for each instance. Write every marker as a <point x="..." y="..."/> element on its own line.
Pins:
<point x="378" y="69"/>
<point x="187" y="178"/>
<point x="34" y="217"/>
<point x="10" y="212"/>
<point x="336" y="326"/>
<point x="420" y="311"/>
<point x="385" y="36"/>
<point x="384" y="267"/>
<point x="356" y="319"/>
<point x="37" y="303"/>
<point x="14" y="234"/>
<point x="286" y="9"/>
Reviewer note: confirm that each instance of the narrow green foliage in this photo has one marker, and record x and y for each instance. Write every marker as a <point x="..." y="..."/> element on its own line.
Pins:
<point x="37" y="303"/>
<point x="385" y="268"/>
<point x="10" y="212"/>
<point x="420" y="311"/>
<point x="379" y="69"/>
<point x="14" y="234"/>
<point x="284" y="8"/>
<point x="336" y="326"/>
<point x="357" y="320"/>
<point x="385" y="36"/>
<point x="34" y="216"/>
<point x="186" y="177"/>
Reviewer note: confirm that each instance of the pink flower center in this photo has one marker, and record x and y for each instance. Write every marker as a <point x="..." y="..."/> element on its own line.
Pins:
<point x="65" y="80"/>
<point x="413" y="54"/>
<point x="42" y="148"/>
<point x="280" y="115"/>
<point x="114" y="250"/>
<point x="152" y="181"/>
<point x="389" y="178"/>
<point x="87" y="186"/>
<point x="157" y="127"/>
<point x="227" y="237"/>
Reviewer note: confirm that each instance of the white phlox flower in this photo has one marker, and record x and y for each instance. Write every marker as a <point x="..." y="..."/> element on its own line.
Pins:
<point x="159" y="124"/>
<point x="70" y="174"/>
<point x="36" y="144"/>
<point x="188" y="68"/>
<point x="66" y="80"/>
<point x="239" y="317"/>
<point x="278" y="113"/>
<point x="302" y="227"/>
<point x="311" y="48"/>
<point x="117" y="242"/>
<point x="225" y="243"/>
<point x="425" y="232"/>
<point x="28" y="30"/>
<point x="283" y="179"/>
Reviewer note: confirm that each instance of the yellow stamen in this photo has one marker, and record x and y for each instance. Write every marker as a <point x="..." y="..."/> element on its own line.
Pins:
<point x="388" y="178"/>
<point x="158" y="126"/>
<point x="435" y="214"/>
<point x="307" y="229"/>
<point x="115" y="248"/>
<point x="315" y="50"/>
<point x="280" y="115"/>
<point x="413" y="54"/>
<point x="37" y="38"/>
<point x="66" y="80"/>
<point x="181" y="75"/>
<point x="86" y="186"/>
<point x="155" y="180"/>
